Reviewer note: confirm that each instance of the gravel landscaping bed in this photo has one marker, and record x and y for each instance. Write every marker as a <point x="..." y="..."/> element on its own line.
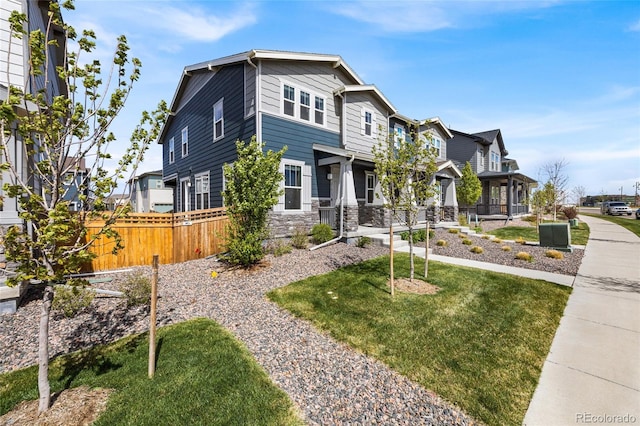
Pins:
<point x="330" y="382"/>
<point x="492" y="251"/>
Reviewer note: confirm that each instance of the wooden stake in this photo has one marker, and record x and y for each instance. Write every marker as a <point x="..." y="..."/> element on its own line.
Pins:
<point x="152" y="325"/>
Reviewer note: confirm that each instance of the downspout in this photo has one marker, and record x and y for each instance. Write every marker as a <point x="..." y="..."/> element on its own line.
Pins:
<point x="342" y="191"/>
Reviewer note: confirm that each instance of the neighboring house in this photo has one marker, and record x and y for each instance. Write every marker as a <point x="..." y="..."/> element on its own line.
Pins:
<point x="314" y="104"/>
<point x="15" y="52"/>
<point x="505" y="191"/>
<point x="76" y="183"/>
<point x="149" y="194"/>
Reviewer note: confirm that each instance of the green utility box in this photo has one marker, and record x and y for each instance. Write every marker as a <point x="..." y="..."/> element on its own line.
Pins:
<point x="556" y="236"/>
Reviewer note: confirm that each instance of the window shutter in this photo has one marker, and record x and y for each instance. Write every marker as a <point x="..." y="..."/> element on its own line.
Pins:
<point x="306" y="188"/>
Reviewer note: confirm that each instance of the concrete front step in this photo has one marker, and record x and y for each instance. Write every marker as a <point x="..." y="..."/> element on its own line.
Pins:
<point x="383" y="240"/>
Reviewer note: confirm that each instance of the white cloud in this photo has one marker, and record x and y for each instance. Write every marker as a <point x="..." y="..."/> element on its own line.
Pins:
<point x="422" y="16"/>
<point x="635" y="26"/>
<point x="196" y="25"/>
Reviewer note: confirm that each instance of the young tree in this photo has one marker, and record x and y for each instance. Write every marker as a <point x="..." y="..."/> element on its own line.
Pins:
<point x="579" y="191"/>
<point x="405" y="168"/>
<point x="469" y="187"/>
<point x="252" y="188"/>
<point x="58" y="133"/>
<point x="556" y="176"/>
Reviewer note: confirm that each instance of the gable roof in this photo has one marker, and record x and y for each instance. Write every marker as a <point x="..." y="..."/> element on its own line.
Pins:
<point x="485" y="138"/>
<point x="370" y="88"/>
<point x="250" y="57"/>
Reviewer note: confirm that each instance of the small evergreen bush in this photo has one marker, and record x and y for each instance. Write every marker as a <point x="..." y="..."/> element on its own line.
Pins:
<point x="441" y="243"/>
<point x="137" y="289"/>
<point x="453" y="231"/>
<point x="462" y="220"/>
<point x="363" y="242"/>
<point x="486" y="237"/>
<point x="321" y="233"/>
<point x="506" y="248"/>
<point x="477" y="249"/>
<point x="418" y="235"/>
<point x="497" y="241"/>
<point x="467" y="242"/>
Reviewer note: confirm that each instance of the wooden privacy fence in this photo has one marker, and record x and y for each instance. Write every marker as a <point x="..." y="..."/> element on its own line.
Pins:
<point x="175" y="237"/>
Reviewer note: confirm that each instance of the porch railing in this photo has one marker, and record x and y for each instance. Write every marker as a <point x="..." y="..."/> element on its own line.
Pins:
<point x="501" y="209"/>
<point x="328" y="216"/>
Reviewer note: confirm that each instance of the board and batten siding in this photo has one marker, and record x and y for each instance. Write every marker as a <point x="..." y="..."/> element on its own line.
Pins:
<point x="205" y="154"/>
<point x="319" y="78"/>
<point x="355" y="140"/>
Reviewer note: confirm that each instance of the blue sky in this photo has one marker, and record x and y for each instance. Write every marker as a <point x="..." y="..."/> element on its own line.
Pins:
<point x="561" y="79"/>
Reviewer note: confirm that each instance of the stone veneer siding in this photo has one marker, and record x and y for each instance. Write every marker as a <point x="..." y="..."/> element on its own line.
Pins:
<point x="450" y="213"/>
<point x="284" y="224"/>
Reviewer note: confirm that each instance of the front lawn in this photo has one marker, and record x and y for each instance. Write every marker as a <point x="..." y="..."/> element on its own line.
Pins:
<point x="204" y="377"/>
<point x="579" y="235"/>
<point x="480" y="342"/>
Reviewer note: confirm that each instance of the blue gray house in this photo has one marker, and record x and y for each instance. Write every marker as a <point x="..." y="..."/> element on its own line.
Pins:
<point x="317" y="106"/>
<point x="505" y="191"/>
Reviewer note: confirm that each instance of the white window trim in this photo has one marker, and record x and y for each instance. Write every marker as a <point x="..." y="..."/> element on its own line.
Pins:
<point x="438" y="148"/>
<point x="172" y="151"/>
<point x="396" y="140"/>
<point x="185" y="203"/>
<point x="287" y="162"/>
<point x="221" y="104"/>
<point x="207" y="193"/>
<point x="185" y="141"/>
<point x="363" y="123"/>
<point x="297" y="105"/>
<point x="367" y="189"/>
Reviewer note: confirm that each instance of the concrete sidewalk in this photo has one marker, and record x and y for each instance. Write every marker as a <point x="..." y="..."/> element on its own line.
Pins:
<point x="592" y="372"/>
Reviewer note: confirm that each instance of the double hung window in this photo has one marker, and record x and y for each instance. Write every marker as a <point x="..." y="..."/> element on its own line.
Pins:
<point x="185" y="141"/>
<point x="202" y="191"/>
<point x="218" y="120"/>
<point x="301" y="104"/>
<point x="292" y="187"/>
<point x="172" y="155"/>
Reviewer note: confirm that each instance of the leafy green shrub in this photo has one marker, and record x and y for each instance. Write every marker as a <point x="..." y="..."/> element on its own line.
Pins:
<point x="363" y="242"/>
<point x="467" y="242"/>
<point x="522" y="255"/>
<point x="506" y="248"/>
<point x="462" y="220"/>
<point x="245" y="251"/>
<point x="477" y="249"/>
<point x="554" y="254"/>
<point x="321" y="233"/>
<point x="453" y="231"/>
<point x="441" y="243"/>
<point x="300" y="239"/>
<point x="69" y="300"/>
<point x="278" y="247"/>
<point x="418" y="235"/>
<point x="136" y="289"/>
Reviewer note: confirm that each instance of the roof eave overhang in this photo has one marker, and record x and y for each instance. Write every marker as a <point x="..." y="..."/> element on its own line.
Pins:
<point x="370" y="88"/>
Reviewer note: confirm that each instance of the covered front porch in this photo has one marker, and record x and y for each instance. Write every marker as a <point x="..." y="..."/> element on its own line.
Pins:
<point x="504" y="195"/>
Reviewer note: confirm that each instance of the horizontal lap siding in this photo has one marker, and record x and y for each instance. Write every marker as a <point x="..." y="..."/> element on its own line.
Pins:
<point x="355" y="140"/>
<point x="205" y="154"/>
<point x="299" y="139"/>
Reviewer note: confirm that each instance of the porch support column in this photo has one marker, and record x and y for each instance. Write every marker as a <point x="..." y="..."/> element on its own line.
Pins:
<point x="350" y="202"/>
<point x="509" y="196"/>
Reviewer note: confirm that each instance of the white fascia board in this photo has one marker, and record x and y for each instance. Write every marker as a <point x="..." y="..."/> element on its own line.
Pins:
<point x="449" y="165"/>
<point x="438" y="123"/>
<point x="336" y="60"/>
<point x="353" y="88"/>
<point x="341" y="153"/>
